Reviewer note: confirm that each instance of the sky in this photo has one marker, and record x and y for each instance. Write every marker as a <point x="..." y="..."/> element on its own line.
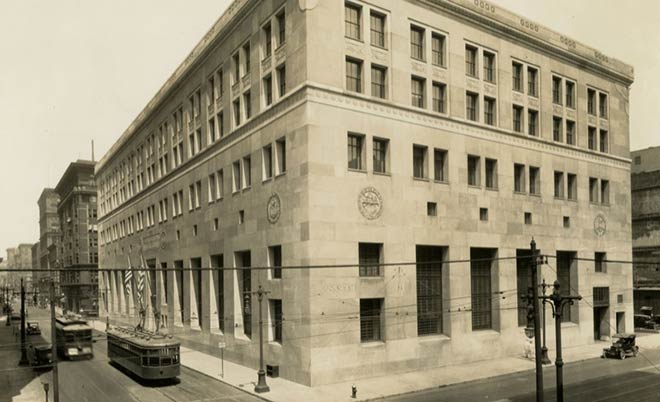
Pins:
<point x="73" y="71"/>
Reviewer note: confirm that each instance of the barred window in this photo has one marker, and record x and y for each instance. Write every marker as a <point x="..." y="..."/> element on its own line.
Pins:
<point x="524" y="282"/>
<point x="482" y="292"/>
<point x="371" y="326"/>
<point x="370" y="259"/>
<point x="276" y="319"/>
<point x="429" y="289"/>
<point x="565" y="259"/>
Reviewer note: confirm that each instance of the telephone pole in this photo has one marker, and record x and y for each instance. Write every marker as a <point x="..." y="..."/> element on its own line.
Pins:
<point x="557" y="301"/>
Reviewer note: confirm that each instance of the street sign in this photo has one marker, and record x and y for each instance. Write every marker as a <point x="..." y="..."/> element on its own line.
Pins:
<point x="222" y="345"/>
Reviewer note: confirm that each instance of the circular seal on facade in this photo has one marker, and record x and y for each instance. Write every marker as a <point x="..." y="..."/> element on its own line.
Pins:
<point x="600" y="225"/>
<point x="273" y="208"/>
<point x="370" y="203"/>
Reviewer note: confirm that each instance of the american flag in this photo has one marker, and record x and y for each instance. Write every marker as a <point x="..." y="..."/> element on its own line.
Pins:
<point x="128" y="276"/>
<point x="140" y="286"/>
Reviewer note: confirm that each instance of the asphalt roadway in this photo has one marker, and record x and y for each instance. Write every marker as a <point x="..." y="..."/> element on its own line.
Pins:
<point x="96" y="380"/>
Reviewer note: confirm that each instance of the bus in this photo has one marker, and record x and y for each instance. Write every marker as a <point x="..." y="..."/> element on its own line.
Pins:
<point x="74" y="337"/>
<point x="147" y="355"/>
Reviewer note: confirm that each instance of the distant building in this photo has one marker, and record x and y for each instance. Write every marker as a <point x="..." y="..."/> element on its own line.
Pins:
<point x="19" y="259"/>
<point x="78" y="247"/>
<point x="645" y="183"/>
<point x="35" y="265"/>
<point x="49" y="232"/>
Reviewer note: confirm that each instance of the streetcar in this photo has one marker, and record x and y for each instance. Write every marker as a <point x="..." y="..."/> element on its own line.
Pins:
<point x="74" y="337"/>
<point x="147" y="355"/>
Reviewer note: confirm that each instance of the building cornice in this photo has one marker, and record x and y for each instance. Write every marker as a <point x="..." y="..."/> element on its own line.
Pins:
<point x="516" y="27"/>
<point x="218" y="31"/>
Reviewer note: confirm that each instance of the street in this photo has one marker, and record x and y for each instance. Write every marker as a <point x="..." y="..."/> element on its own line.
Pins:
<point x="594" y="380"/>
<point x="96" y="380"/>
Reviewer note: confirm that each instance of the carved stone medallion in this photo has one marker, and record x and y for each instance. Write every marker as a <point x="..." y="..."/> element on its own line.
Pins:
<point x="370" y="203"/>
<point x="600" y="225"/>
<point x="273" y="208"/>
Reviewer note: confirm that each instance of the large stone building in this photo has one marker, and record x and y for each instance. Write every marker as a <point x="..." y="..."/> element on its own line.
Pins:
<point x="49" y="232"/>
<point x="383" y="137"/>
<point x="646" y="227"/>
<point x="77" y="253"/>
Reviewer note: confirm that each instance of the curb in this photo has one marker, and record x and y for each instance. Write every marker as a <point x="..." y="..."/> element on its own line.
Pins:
<point x="229" y="384"/>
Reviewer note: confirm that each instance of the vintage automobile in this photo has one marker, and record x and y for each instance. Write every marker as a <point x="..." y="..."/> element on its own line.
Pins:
<point x="40" y="356"/>
<point x="32" y="328"/>
<point x="644" y="321"/>
<point x="623" y="345"/>
<point x="646" y="310"/>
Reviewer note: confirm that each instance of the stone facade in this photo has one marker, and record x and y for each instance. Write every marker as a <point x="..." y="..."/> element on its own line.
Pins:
<point x="646" y="227"/>
<point x="341" y="169"/>
<point x="49" y="232"/>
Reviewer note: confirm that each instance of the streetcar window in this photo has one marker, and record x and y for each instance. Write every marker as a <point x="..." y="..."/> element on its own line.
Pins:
<point x="165" y="361"/>
<point x="154" y="361"/>
<point x="145" y="361"/>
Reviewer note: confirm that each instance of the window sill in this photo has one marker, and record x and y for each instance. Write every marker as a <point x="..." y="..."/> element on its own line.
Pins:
<point x="605" y="204"/>
<point x="266" y="180"/>
<point x="387" y="174"/>
<point x="537" y="195"/>
<point x="492" y="189"/>
<point x="519" y="193"/>
<point x="418" y="60"/>
<point x="372" y="277"/>
<point x="559" y="198"/>
<point x="423" y="179"/>
<point x="277" y="176"/>
<point x="433" y="338"/>
<point x="359" y="40"/>
<point x="380" y="47"/>
<point x="485" y="332"/>
<point x="441" y="182"/>
<point x="357" y="170"/>
<point x="474" y="186"/>
<point x="275" y="343"/>
<point x="440" y="66"/>
<point x="372" y="344"/>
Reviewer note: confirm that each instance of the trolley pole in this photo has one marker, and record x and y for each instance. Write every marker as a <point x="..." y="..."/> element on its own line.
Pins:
<point x="558" y="302"/>
<point x="53" y="340"/>
<point x="261" y="383"/>
<point x="24" y="360"/>
<point x="537" y="324"/>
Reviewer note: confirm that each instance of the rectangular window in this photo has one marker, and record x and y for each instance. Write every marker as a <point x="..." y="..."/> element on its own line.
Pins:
<point x="571" y="186"/>
<point x="212" y="136"/>
<point x="592" y="138"/>
<point x="268" y="41"/>
<point x="605" y="192"/>
<point x="518" y="118"/>
<point x="471" y="106"/>
<point x="489" y="67"/>
<point x="518" y="178"/>
<point x="355" y="150"/>
<point x="244" y="260"/>
<point x="354" y="75"/>
<point x="377" y="29"/>
<point x="471" y="61"/>
<point x="371" y="325"/>
<point x="353" y="28"/>
<point x="599" y="262"/>
<point x="220" y="177"/>
<point x="275" y="257"/>
<point x="490" y="107"/>
<point x="570" y="94"/>
<point x="221" y="124"/>
<point x="491" y="173"/>
<point x="268" y="90"/>
<point x="440" y="165"/>
<point x="532" y="122"/>
<point x="566" y="269"/>
<point x="570" y="132"/>
<point x="378" y="81"/>
<point x="439" y="94"/>
<point x="276" y="319"/>
<point x="523" y="282"/>
<point x="559" y="184"/>
<point x="591" y="101"/>
<point x="532" y="81"/>
<point x="556" y="90"/>
<point x="557" y="126"/>
<point x="247" y="173"/>
<point x="604" y="141"/>
<point x="473" y="170"/>
<point x="237" y="112"/>
<point x="420" y="153"/>
<point x="517" y="74"/>
<point x="238" y="183"/>
<point x="534" y="180"/>
<point x="247" y="100"/>
<point x="281" y="78"/>
<point x="267" y="158"/>
<point x="417" y="91"/>
<point x="280" y="148"/>
<point x="370" y="259"/>
<point x="281" y="24"/>
<point x="593" y="190"/>
<point x="217" y="262"/>
<point x="482" y="288"/>
<point x="247" y="58"/>
<point x="213" y="191"/>
<point x="380" y="155"/>
<point x="602" y="104"/>
<point x="429" y="289"/>
<point x="417" y="43"/>
<point x="438" y="43"/>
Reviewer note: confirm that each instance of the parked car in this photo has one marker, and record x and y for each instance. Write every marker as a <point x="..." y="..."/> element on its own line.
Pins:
<point x="623" y="345"/>
<point x="644" y="321"/>
<point x="646" y="310"/>
<point x="40" y="356"/>
<point x="32" y="328"/>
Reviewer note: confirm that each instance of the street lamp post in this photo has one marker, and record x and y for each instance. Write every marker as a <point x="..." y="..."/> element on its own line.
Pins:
<point x="544" y="349"/>
<point x="261" y="382"/>
<point x="24" y="360"/>
<point x="557" y="302"/>
<point x="537" y="323"/>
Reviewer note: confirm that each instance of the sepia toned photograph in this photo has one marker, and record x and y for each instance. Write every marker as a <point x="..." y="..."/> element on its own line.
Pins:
<point x="329" y="201"/>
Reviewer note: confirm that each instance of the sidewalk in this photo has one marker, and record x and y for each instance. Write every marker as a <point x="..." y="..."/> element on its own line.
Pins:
<point x="282" y="390"/>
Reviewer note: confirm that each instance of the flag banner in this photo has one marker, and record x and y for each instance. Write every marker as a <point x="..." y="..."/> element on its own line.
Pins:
<point x="128" y="276"/>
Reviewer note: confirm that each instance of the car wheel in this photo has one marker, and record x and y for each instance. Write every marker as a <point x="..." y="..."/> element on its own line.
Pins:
<point x="622" y="355"/>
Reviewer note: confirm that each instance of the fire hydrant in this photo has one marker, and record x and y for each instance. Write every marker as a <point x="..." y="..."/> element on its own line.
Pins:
<point x="353" y="392"/>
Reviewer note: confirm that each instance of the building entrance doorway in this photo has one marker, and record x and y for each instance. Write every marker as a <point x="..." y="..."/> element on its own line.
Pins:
<point x="621" y="322"/>
<point x="601" y="327"/>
